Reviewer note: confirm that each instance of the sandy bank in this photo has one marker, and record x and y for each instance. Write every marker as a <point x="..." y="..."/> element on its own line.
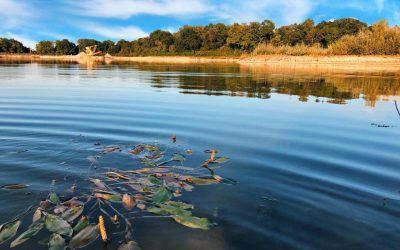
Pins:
<point x="365" y="63"/>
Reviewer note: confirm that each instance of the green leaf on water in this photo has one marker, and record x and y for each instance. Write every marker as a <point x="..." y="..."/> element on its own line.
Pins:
<point x="178" y="157"/>
<point x="166" y="209"/>
<point x="220" y="160"/>
<point x="148" y="163"/>
<point x="223" y="180"/>
<point x="202" y="181"/>
<point x="115" y="198"/>
<point x="193" y="222"/>
<point x="162" y="194"/>
<point x="154" y="180"/>
<point x="54" y="198"/>
<point x="179" y="204"/>
<point x="8" y="230"/>
<point x="32" y="230"/>
<point x="83" y="222"/>
<point x="56" y="242"/>
<point x="84" y="237"/>
<point x="57" y="225"/>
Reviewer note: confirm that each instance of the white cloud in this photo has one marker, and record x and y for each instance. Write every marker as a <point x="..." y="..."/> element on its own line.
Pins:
<point x="396" y="16"/>
<point x="113" y="32"/>
<point x="26" y="41"/>
<point x="380" y="4"/>
<point x="13" y="13"/>
<point x="127" y="8"/>
<point x="288" y="11"/>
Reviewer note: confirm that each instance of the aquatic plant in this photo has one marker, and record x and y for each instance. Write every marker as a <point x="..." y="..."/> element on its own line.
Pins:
<point x="114" y="195"/>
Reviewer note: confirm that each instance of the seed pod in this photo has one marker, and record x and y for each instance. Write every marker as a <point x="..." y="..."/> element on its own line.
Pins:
<point x="102" y="229"/>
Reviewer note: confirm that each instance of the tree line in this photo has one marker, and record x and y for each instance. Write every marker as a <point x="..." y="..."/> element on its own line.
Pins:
<point x="221" y="39"/>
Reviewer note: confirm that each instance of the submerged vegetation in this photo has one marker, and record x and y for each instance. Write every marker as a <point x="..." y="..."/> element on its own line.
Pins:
<point x="112" y="198"/>
<point x="346" y="36"/>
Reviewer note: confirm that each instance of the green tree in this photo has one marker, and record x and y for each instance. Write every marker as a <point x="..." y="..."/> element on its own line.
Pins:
<point x="83" y="43"/>
<point x="107" y="46"/>
<point x="5" y="45"/>
<point x="161" y="40"/>
<point x="302" y="33"/>
<point x="65" y="47"/>
<point x="213" y="36"/>
<point x="45" y="48"/>
<point x="264" y="31"/>
<point x="329" y="32"/>
<point x="187" y="38"/>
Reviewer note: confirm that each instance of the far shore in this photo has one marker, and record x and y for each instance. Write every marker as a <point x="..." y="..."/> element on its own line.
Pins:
<point x="363" y="63"/>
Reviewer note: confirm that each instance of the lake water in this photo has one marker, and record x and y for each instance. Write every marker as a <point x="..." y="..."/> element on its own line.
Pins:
<point x="316" y="154"/>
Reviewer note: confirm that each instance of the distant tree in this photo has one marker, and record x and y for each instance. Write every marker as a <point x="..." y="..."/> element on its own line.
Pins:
<point x="161" y="40"/>
<point x="264" y="31"/>
<point x="329" y="32"/>
<point x="5" y="45"/>
<point x="302" y="33"/>
<point x="65" y="47"/>
<point x="187" y="39"/>
<point x="45" y="48"/>
<point x="213" y="36"/>
<point x="107" y="46"/>
<point x="12" y="46"/>
<point x="125" y="47"/>
<point x="83" y="43"/>
<point x="248" y="36"/>
<point x="17" y="47"/>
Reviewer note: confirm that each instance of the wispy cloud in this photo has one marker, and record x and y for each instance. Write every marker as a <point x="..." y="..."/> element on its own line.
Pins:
<point x="286" y="12"/>
<point x="127" y="8"/>
<point x="114" y="32"/>
<point x="26" y="41"/>
<point x="380" y="4"/>
<point x="13" y="13"/>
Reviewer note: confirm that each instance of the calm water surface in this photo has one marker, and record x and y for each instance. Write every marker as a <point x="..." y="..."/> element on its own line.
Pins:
<point x="316" y="169"/>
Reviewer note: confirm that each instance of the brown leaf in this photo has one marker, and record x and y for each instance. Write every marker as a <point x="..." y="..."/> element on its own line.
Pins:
<point x="137" y="150"/>
<point x="99" y="183"/>
<point x="128" y="202"/>
<point x="37" y="215"/>
<point x="14" y="186"/>
<point x="173" y="138"/>
<point x="213" y="152"/>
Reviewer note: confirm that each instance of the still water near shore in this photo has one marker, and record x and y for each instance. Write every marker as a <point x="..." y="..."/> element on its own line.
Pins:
<point x="316" y="154"/>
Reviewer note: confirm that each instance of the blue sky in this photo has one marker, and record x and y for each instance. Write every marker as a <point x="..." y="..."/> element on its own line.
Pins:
<point x="33" y="20"/>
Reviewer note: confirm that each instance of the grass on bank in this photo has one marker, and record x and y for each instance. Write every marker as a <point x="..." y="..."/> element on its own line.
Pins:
<point x="380" y="39"/>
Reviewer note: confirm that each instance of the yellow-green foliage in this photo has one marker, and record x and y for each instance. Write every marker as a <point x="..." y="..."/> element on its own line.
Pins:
<point x="379" y="40"/>
<point x="297" y="50"/>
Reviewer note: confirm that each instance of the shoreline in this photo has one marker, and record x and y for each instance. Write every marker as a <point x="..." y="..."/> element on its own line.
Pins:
<point x="370" y="63"/>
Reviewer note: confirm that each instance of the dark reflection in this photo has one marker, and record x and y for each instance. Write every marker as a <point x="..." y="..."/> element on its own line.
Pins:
<point x="238" y="81"/>
<point x="328" y="85"/>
